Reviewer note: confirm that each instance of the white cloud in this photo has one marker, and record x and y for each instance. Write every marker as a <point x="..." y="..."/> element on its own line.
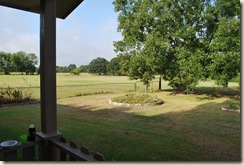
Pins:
<point x="18" y="31"/>
<point x="78" y="45"/>
<point x="78" y="41"/>
<point x="13" y="42"/>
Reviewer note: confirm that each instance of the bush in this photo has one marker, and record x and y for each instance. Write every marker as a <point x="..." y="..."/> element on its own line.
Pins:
<point x="76" y="71"/>
<point x="233" y="105"/>
<point x="13" y="95"/>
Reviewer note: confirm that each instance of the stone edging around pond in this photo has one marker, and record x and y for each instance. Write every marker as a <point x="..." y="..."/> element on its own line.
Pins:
<point x="134" y="105"/>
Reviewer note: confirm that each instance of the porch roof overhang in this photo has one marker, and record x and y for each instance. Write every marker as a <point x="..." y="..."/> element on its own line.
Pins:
<point x="63" y="7"/>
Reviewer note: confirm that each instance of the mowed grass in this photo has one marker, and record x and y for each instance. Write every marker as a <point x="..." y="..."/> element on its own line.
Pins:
<point x="63" y="79"/>
<point x="72" y="85"/>
<point x="184" y="128"/>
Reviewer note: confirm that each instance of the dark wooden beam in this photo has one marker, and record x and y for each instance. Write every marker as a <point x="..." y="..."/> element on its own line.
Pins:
<point x="48" y="66"/>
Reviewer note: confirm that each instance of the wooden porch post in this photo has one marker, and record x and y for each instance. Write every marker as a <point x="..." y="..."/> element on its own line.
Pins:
<point x="48" y="66"/>
<point x="48" y="80"/>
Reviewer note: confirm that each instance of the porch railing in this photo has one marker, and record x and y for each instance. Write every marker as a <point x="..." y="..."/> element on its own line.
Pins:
<point x="70" y="151"/>
<point x="27" y="150"/>
<point x="32" y="151"/>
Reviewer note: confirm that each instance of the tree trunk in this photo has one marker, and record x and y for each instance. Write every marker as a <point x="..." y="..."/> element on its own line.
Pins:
<point x="159" y="83"/>
<point x="146" y="88"/>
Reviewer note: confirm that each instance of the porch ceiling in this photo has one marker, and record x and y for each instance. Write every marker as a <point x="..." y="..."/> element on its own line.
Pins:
<point x="63" y="7"/>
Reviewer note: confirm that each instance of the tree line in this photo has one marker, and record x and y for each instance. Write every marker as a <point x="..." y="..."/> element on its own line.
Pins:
<point x="18" y="62"/>
<point x="27" y="63"/>
<point x="99" y="66"/>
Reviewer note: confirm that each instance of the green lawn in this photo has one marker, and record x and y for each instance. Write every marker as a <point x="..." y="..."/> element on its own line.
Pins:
<point x="72" y="85"/>
<point x="184" y="128"/>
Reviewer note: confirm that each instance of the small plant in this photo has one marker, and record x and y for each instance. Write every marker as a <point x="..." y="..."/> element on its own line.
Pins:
<point x="17" y="95"/>
<point x="234" y="106"/>
<point x="231" y="107"/>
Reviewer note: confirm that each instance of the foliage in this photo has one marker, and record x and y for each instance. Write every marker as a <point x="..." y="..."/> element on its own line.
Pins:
<point x="113" y="67"/>
<point x="98" y="65"/>
<point x="71" y="67"/>
<point x="5" y="63"/>
<point x="124" y="62"/>
<point x="237" y="79"/>
<point x="62" y="69"/>
<point x="75" y="71"/>
<point x="23" y="62"/>
<point x="225" y="51"/>
<point x="140" y="69"/>
<point x="189" y="71"/>
<point x="234" y="105"/>
<point x="181" y="40"/>
<point x="18" y="62"/>
<point x="84" y="68"/>
<point x="134" y="41"/>
<point x="13" y="95"/>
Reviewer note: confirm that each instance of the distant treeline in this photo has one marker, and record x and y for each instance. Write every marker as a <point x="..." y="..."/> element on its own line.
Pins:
<point x="18" y="62"/>
<point x="99" y="66"/>
<point x="27" y="63"/>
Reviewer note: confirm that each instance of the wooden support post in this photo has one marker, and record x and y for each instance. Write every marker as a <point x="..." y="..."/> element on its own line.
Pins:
<point x="28" y="154"/>
<point x="10" y="156"/>
<point x="48" y="80"/>
<point x="47" y="151"/>
<point x="63" y="156"/>
<point x="48" y="66"/>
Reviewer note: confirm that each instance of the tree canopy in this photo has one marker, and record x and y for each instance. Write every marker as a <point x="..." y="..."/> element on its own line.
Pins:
<point x="182" y="40"/>
<point x="18" y="62"/>
<point x="113" y="67"/>
<point x="98" y="65"/>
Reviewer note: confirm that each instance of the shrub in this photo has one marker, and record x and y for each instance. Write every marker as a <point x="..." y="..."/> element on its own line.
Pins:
<point x="76" y="71"/>
<point x="13" y="95"/>
<point x="233" y="105"/>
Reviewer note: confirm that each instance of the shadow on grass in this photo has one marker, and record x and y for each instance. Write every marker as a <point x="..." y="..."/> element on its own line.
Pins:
<point x="219" y="91"/>
<point x="212" y="92"/>
<point x="204" y="133"/>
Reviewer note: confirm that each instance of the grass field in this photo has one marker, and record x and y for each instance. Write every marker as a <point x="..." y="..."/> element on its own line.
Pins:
<point x="185" y="128"/>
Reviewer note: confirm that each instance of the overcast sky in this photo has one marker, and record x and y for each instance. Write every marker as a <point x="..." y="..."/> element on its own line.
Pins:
<point x="87" y="33"/>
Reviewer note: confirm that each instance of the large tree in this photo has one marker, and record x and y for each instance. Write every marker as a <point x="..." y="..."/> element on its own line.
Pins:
<point x="18" y="62"/>
<point x="113" y="67"/>
<point x="173" y="37"/>
<point x="139" y="69"/>
<point x="98" y="65"/>
<point x="71" y="67"/>
<point x="23" y="62"/>
<point x="30" y="63"/>
<point x="135" y="25"/>
<point x="5" y="63"/>
<point x="225" y="44"/>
